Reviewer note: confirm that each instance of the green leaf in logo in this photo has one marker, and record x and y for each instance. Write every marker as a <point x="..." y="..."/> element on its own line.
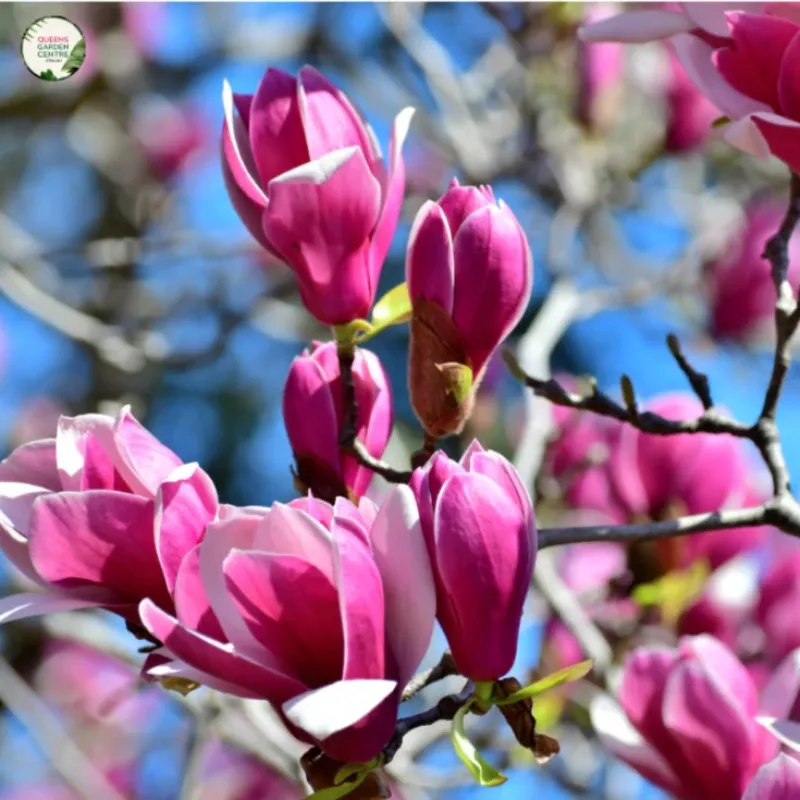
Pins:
<point x="76" y="58"/>
<point x="48" y="75"/>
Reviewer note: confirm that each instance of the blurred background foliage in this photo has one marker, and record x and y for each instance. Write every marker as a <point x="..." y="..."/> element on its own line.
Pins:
<point x="127" y="278"/>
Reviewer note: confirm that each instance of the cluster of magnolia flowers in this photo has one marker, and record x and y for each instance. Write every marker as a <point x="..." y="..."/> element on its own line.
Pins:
<point x="325" y="606"/>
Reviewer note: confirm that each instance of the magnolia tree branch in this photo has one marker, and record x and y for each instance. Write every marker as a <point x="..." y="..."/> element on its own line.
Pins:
<point x="782" y="510"/>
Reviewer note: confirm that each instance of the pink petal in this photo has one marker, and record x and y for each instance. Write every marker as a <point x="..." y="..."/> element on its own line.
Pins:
<point x="392" y="195"/>
<point x="493" y="280"/>
<point x="238" y="170"/>
<point x="300" y="626"/>
<point x="731" y="675"/>
<point x="777" y="780"/>
<point x="401" y="555"/>
<point x="374" y="402"/>
<point x="458" y="202"/>
<point x="309" y="412"/>
<point x="713" y="733"/>
<point x="275" y="126"/>
<point x="142" y="460"/>
<point x="289" y="531"/>
<point x="788" y="89"/>
<point x="33" y="463"/>
<point x="361" y="602"/>
<point x="486" y="575"/>
<point x="429" y="260"/>
<point x="236" y="532"/>
<point x="192" y="605"/>
<point x="329" y="119"/>
<point x="157" y="669"/>
<point x="710" y="17"/>
<point x="782" y="135"/>
<point x="185" y="504"/>
<point x="624" y="741"/>
<point x="16" y="502"/>
<point x="325" y="712"/>
<point x="35" y="604"/>
<point x="745" y="135"/>
<point x="696" y="57"/>
<point x="752" y="67"/>
<point x="71" y="443"/>
<point x="636" y="26"/>
<point x="101" y="538"/>
<point x="320" y="217"/>
<point x="217" y="659"/>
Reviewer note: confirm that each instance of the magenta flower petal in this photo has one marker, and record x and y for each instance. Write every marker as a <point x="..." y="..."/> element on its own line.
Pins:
<point x="185" y="504"/>
<point x="777" y="780"/>
<point x="361" y="601"/>
<point x="192" y="605"/>
<point x="330" y="120"/>
<point x="16" y="503"/>
<point x="320" y="217"/>
<point x="486" y="576"/>
<point x="430" y="267"/>
<point x="33" y="463"/>
<point x="493" y="280"/>
<point x="401" y="556"/>
<point x="98" y="538"/>
<point x="264" y="588"/>
<point x="275" y="126"/>
<point x="711" y="731"/>
<point x="35" y="604"/>
<point x="214" y="658"/>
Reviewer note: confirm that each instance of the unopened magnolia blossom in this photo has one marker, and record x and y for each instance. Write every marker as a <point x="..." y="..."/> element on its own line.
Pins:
<point x="101" y="515"/>
<point x="314" y="415"/>
<point x="480" y="529"/>
<point x="689" y="722"/>
<point x="311" y="607"/>
<point x="305" y="174"/>
<point x="470" y="274"/>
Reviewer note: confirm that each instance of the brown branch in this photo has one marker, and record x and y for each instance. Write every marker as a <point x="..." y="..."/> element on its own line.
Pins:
<point x="445" y="709"/>
<point x="783" y="510"/>
<point x="444" y="669"/>
<point x="358" y="450"/>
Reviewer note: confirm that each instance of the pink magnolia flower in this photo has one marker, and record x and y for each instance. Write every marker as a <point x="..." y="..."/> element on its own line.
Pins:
<point x="470" y="274"/>
<point x="660" y="476"/>
<point x="777" y="780"/>
<point x="324" y="611"/>
<point x="306" y="176"/>
<point x="314" y="413"/>
<point x="600" y="74"/>
<point x="755" y="83"/>
<point x="689" y="722"/>
<point x="480" y="529"/>
<point x="741" y="291"/>
<point x="102" y="515"/>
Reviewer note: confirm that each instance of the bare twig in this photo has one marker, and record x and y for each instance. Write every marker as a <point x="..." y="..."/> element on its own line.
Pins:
<point x="444" y="669"/>
<point x="359" y="451"/>
<point x="445" y="709"/>
<point x="697" y="380"/>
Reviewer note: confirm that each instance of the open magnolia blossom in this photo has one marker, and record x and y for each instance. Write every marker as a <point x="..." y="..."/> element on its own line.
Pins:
<point x="307" y="606"/>
<point x="306" y="175"/>
<point x="101" y="515"/>
<point x="688" y="718"/>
